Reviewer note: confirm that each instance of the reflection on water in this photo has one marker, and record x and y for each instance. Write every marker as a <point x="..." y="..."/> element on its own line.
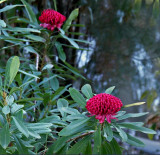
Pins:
<point x="83" y="56"/>
<point x="145" y="80"/>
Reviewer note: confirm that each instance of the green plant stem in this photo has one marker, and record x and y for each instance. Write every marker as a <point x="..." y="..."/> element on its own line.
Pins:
<point x="43" y="57"/>
<point x="5" y="103"/>
<point x="55" y="4"/>
<point x="102" y="125"/>
<point x="4" y="98"/>
<point x="45" y="50"/>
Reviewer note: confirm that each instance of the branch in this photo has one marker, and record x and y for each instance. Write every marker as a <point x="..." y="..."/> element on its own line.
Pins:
<point x="85" y="134"/>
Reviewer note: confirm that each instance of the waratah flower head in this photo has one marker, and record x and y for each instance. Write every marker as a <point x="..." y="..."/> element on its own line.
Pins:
<point x="104" y="106"/>
<point x="51" y="19"/>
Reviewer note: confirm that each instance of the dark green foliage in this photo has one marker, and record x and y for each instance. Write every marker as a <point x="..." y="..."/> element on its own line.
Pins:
<point x="40" y="113"/>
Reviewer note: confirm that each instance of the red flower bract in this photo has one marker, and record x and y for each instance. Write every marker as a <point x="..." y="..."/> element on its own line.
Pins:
<point x="51" y="19"/>
<point x="104" y="106"/>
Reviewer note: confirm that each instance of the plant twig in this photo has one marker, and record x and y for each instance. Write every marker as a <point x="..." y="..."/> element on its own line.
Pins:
<point x="85" y="134"/>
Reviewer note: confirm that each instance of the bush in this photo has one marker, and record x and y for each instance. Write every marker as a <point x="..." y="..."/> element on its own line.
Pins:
<point x="39" y="112"/>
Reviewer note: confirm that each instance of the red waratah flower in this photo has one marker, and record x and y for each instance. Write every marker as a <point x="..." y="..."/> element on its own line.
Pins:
<point x="51" y="19"/>
<point x="104" y="106"/>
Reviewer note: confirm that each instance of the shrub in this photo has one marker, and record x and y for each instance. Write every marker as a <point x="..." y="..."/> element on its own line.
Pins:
<point x="39" y="113"/>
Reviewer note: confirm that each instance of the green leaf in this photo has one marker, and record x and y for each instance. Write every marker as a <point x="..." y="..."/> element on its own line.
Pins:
<point x="2" y="121"/>
<point x="15" y="107"/>
<point x="10" y="100"/>
<point x="72" y="42"/>
<point x="64" y="149"/>
<point x="108" y="133"/>
<point x="53" y="119"/>
<point x="36" y="38"/>
<point x="26" y="83"/>
<point x="87" y="91"/>
<point x="18" y="79"/>
<point x="22" y="149"/>
<point x="106" y="148"/>
<point x="30" y="12"/>
<point x="72" y="17"/>
<point x="70" y="110"/>
<point x="62" y="103"/>
<point x="20" y="125"/>
<point x="19" y="114"/>
<point x="77" y="97"/>
<point x="48" y="66"/>
<point x="122" y="133"/>
<point x="39" y="128"/>
<point x="153" y="127"/>
<point x="31" y="75"/>
<point x="115" y="147"/>
<point x="12" y="39"/>
<point x="42" y="130"/>
<point x="109" y="90"/>
<point x="137" y="128"/>
<point x="61" y="53"/>
<point x="69" y="46"/>
<point x="77" y="33"/>
<point x="29" y="99"/>
<point x="15" y="44"/>
<point x="97" y="141"/>
<point x="88" y="149"/>
<point x="45" y="81"/>
<point x="120" y="113"/>
<point x="19" y="29"/>
<point x="80" y="145"/>
<point x="8" y="7"/>
<point x="11" y="69"/>
<point x="133" y="123"/>
<point x="73" y="70"/>
<point x="54" y="83"/>
<point x="2" y="151"/>
<point x="30" y="49"/>
<point x="134" y="141"/>
<point x="59" y="92"/>
<point x="14" y="89"/>
<point x="132" y="115"/>
<point x="57" y="145"/>
<point x="14" y="66"/>
<point x="5" y="136"/>
<point x="82" y="41"/>
<point x="26" y="21"/>
<point x="2" y="23"/>
<point x="73" y="127"/>
<point x="6" y="110"/>
<point x="50" y="119"/>
<point x="36" y="126"/>
<point x="145" y="93"/>
<point x="34" y="134"/>
<point x="75" y="117"/>
<point x="151" y="97"/>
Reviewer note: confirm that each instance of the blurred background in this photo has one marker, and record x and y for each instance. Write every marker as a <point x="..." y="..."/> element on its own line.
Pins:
<point x="124" y="51"/>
